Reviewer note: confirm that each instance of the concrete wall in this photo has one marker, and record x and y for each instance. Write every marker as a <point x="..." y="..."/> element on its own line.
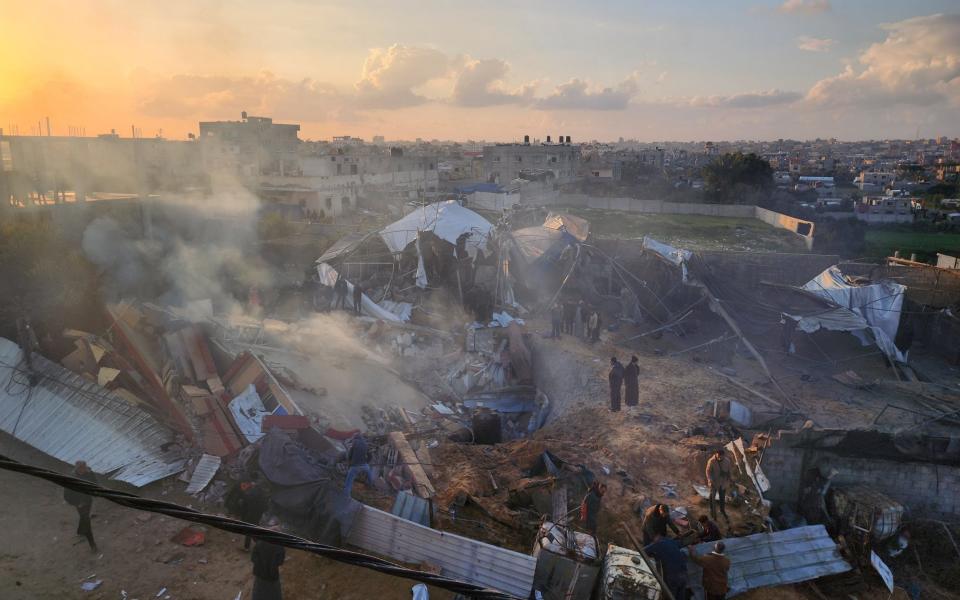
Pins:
<point x="750" y="268"/>
<point x="799" y="226"/>
<point x="923" y="487"/>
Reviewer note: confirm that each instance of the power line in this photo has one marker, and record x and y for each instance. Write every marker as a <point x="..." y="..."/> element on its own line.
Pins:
<point x="279" y="538"/>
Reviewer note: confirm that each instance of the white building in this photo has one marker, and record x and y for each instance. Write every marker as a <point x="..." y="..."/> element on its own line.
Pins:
<point x="874" y="181"/>
<point x="887" y="209"/>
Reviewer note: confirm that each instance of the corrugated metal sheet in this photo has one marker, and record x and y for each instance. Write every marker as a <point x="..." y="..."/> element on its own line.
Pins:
<point x="412" y="508"/>
<point x="71" y="419"/>
<point x="205" y="470"/>
<point x="771" y="559"/>
<point x="458" y="557"/>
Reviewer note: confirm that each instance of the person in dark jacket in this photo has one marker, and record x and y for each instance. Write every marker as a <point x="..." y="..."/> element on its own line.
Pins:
<point x="673" y="561"/>
<point x="655" y="522"/>
<point x="357" y="298"/>
<point x="631" y="380"/>
<point x="569" y="315"/>
<point x="711" y="531"/>
<point x="340" y="293"/>
<point x="82" y="502"/>
<point x="616" y="382"/>
<point x="247" y="501"/>
<point x="556" y="319"/>
<point x="357" y="462"/>
<point x="715" y="567"/>
<point x="267" y="559"/>
<point x="590" y="507"/>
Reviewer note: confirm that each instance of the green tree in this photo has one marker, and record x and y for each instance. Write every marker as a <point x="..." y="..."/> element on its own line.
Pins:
<point x="738" y="178"/>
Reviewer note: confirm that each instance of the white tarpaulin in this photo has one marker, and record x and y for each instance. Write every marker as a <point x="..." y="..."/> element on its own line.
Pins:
<point x="674" y="255"/>
<point x="248" y="412"/>
<point x="875" y="307"/>
<point x="447" y="220"/>
<point x="328" y="277"/>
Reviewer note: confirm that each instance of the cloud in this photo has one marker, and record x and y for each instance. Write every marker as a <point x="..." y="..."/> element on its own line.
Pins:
<point x="814" y="44"/>
<point x="480" y="83"/>
<point x="804" y="7"/>
<point x="576" y="95"/>
<point x="747" y="100"/>
<point x="917" y="64"/>
<point x="207" y="96"/>
<point x="390" y="75"/>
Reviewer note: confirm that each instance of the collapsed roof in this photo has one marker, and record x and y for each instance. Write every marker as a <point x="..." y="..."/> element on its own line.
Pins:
<point x="447" y="220"/>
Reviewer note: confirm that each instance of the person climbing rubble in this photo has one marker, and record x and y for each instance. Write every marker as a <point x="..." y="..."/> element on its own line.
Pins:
<point x="590" y="507"/>
<point x="719" y="479"/>
<point x="358" y="462"/>
<point x="656" y="519"/>
<point x="247" y="501"/>
<point x="709" y="530"/>
<point x="616" y="383"/>
<point x="673" y="561"/>
<point x="631" y="380"/>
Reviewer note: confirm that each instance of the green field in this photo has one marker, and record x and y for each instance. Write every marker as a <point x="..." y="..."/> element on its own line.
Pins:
<point x="925" y="245"/>
<point x="692" y="232"/>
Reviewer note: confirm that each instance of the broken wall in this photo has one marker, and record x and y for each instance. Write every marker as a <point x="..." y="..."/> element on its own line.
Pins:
<point x="927" y="285"/>
<point x="925" y="488"/>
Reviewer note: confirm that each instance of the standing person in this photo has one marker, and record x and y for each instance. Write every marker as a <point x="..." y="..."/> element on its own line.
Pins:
<point x="82" y="502"/>
<point x="340" y="293"/>
<point x="267" y="558"/>
<point x="579" y="320"/>
<point x="715" y="567"/>
<point x="711" y="531"/>
<point x="656" y="519"/>
<point x="247" y="501"/>
<point x="556" y="317"/>
<point x="590" y="507"/>
<point x="631" y="380"/>
<point x="616" y="382"/>
<point x="357" y="297"/>
<point x="673" y="561"/>
<point x="719" y="479"/>
<point x="569" y="314"/>
<point x="593" y="325"/>
<point x="357" y="461"/>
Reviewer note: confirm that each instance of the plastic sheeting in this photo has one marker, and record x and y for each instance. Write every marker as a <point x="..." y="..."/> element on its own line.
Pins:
<point x="248" y="411"/>
<point x="328" y="277"/>
<point x="875" y="307"/>
<point x="675" y="256"/>
<point x="447" y="220"/>
<point x="578" y="227"/>
<point x="304" y="491"/>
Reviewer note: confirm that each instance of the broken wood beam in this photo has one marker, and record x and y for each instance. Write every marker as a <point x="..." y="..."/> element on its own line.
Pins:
<point x="411" y="465"/>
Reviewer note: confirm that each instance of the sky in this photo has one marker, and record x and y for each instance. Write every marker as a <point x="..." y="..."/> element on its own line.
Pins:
<point x="492" y="70"/>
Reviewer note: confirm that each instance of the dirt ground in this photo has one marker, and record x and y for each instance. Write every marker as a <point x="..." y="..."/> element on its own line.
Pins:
<point x="41" y="558"/>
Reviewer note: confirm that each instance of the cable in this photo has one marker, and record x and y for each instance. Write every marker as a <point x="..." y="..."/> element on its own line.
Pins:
<point x="260" y="533"/>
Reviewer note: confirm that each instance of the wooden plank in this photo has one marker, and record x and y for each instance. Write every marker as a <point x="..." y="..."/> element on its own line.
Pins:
<point x="411" y="465"/>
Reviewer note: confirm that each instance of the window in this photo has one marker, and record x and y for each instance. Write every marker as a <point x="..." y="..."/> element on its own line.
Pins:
<point x="353" y="169"/>
<point x="328" y="202"/>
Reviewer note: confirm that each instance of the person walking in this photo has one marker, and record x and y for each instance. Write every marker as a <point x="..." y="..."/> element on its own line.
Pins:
<point x="616" y="382"/>
<point x="83" y="503"/>
<point x="715" y="567"/>
<point x="656" y="519"/>
<point x="340" y="293"/>
<point x="631" y="380"/>
<point x="267" y="559"/>
<point x="358" y="462"/>
<point x="247" y="501"/>
<point x="673" y="561"/>
<point x="556" y="318"/>
<point x="718" y="479"/>
<point x="590" y="507"/>
<point x="357" y="298"/>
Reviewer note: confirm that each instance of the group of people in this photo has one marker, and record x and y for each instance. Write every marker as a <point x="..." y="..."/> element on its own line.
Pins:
<point x="576" y="319"/>
<point x="668" y="551"/>
<point x="624" y="378"/>
<point x="340" y="295"/>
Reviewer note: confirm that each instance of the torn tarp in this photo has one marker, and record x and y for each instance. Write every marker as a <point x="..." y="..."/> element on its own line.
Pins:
<point x="328" y="277"/>
<point x="675" y="256"/>
<point x="875" y="307"/>
<point x="248" y="411"/>
<point x="304" y="490"/>
<point x="447" y="220"/>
